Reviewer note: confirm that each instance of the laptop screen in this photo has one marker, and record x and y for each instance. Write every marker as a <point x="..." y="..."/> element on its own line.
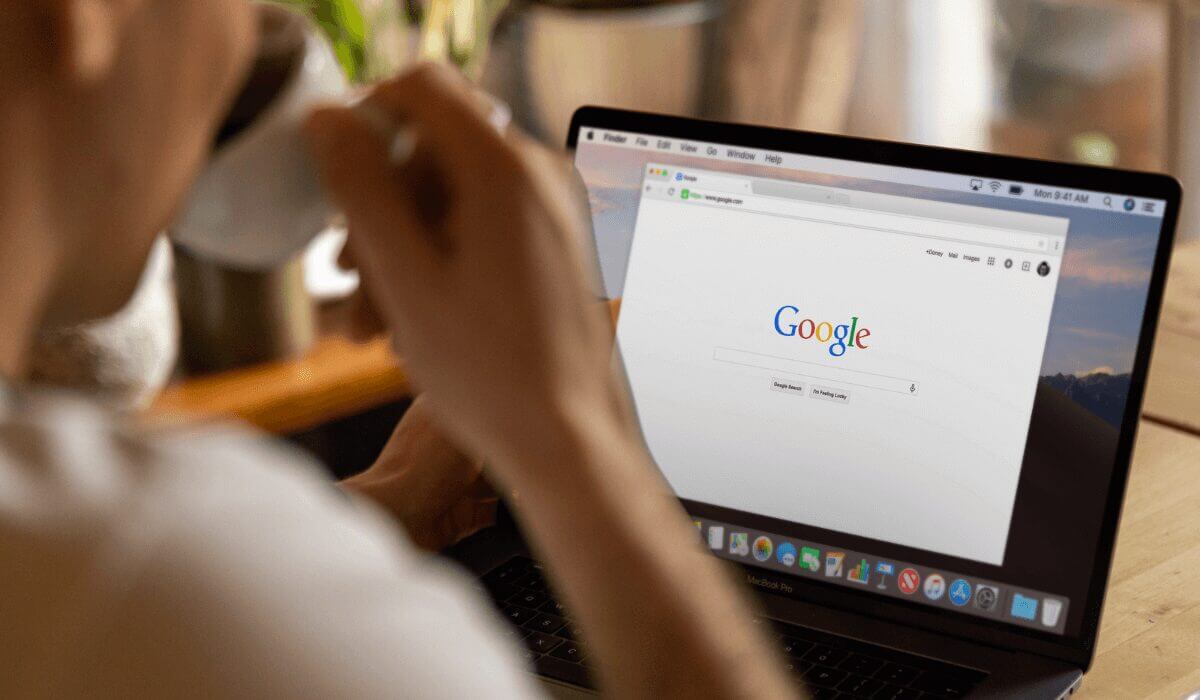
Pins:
<point x="888" y="379"/>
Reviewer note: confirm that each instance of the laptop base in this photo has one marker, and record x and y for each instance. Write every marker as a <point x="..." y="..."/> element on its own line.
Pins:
<point x="1002" y="674"/>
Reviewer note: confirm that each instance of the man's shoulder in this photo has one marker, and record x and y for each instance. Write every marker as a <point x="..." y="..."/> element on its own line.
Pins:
<point x="66" y="457"/>
<point x="109" y="530"/>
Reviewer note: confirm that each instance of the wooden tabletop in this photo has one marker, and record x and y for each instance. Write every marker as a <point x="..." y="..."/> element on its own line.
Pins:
<point x="1150" y="634"/>
<point x="336" y="379"/>
<point x="1173" y="392"/>
<point x="1149" y="643"/>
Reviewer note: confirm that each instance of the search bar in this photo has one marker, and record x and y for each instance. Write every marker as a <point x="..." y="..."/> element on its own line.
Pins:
<point x="817" y="371"/>
<point x="887" y="223"/>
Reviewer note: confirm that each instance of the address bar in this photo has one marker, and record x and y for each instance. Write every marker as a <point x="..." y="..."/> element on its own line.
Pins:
<point x="879" y="221"/>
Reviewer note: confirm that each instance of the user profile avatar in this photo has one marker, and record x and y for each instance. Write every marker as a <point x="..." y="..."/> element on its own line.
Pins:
<point x="1043" y="268"/>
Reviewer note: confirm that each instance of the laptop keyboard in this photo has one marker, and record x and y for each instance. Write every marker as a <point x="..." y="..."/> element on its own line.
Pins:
<point x="828" y="665"/>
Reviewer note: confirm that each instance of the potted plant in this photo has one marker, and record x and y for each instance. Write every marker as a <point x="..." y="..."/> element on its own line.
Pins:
<point x="369" y="37"/>
<point x="375" y="38"/>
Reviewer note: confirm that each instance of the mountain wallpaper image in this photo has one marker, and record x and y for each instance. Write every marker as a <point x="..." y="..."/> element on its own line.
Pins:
<point x="1102" y="394"/>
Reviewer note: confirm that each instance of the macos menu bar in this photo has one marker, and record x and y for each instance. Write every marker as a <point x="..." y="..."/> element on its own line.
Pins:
<point x="987" y="187"/>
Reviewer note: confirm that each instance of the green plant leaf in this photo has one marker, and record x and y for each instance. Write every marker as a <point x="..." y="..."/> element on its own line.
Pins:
<point x="343" y="23"/>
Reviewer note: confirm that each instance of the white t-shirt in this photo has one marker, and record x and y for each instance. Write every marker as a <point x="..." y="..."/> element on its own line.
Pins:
<point x="216" y="564"/>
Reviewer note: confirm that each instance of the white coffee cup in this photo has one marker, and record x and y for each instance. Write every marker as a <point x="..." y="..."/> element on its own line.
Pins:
<point x="259" y="201"/>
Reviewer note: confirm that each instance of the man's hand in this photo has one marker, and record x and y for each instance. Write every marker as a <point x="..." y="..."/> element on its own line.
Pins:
<point x="472" y="253"/>
<point x="436" y="492"/>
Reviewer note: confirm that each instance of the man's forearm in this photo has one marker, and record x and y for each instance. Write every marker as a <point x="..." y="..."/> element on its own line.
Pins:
<point x="661" y="616"/>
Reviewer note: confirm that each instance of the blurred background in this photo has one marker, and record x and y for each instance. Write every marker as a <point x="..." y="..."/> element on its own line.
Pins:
<point x="1094" y="81"/>
<point x="1104" y="82"/>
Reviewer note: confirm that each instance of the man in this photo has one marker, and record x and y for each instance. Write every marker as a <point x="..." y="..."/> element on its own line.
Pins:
<point x="214" y="563"/>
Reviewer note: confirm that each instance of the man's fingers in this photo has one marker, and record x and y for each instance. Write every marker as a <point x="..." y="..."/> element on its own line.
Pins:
<point x="353" y="161"/>
<point x="345" y="259"/>
<point x="452" y="119"/>
<point x="364" y="323"/>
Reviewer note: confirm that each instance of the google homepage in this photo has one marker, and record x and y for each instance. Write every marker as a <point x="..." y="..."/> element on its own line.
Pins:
<point x="865" y="369"/>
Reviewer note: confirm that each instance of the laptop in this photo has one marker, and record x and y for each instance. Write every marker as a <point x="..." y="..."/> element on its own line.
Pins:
<point x="898" y="386"/>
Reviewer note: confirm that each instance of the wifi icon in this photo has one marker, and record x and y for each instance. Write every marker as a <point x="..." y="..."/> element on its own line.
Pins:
<point x="995" y="186"/>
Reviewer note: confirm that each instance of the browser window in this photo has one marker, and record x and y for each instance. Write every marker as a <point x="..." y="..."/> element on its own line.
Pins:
<point x="919" y="326"/>
<point x="899" y="381"/>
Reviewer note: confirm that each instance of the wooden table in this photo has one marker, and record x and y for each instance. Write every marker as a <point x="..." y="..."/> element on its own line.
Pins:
<point x="1173" y="393"/>
<point x="1150" y="636"/>
<point x="336" y="379"/>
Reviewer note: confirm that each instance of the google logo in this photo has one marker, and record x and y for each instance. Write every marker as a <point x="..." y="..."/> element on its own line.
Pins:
<point x="843" y="335"/>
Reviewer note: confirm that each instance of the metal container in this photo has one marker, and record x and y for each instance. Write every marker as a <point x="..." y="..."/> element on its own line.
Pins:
<point x="549" y="60"/>
<point x="230" y="317"/>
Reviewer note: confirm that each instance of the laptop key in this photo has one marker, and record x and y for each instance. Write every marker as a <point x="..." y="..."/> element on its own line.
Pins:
<point x="518" y="615"/>
<point x="501" y="592"/>
<point x="528" y="599"/>
<point x="565" y="671"/>
<point x="795" y="647"/>
<point x="895" y="692"/>
<point x="825" y="656"/>
<point x="532" y="581"/>
<point x="860" y="686"/>
<point x="824" y="677"/>
<point x="554" y="608"/>
<point x="943" y="685"/>
<point x="862" y="665"/>
<point x="507" y="572"/>
<point x="796" y="666"/>
<point x="569" y="651"/>
<point x="530" y="622"/>
<point x="542" y="643"/>
<point x="546" y="623"/>
<point x="898" y="674"/>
